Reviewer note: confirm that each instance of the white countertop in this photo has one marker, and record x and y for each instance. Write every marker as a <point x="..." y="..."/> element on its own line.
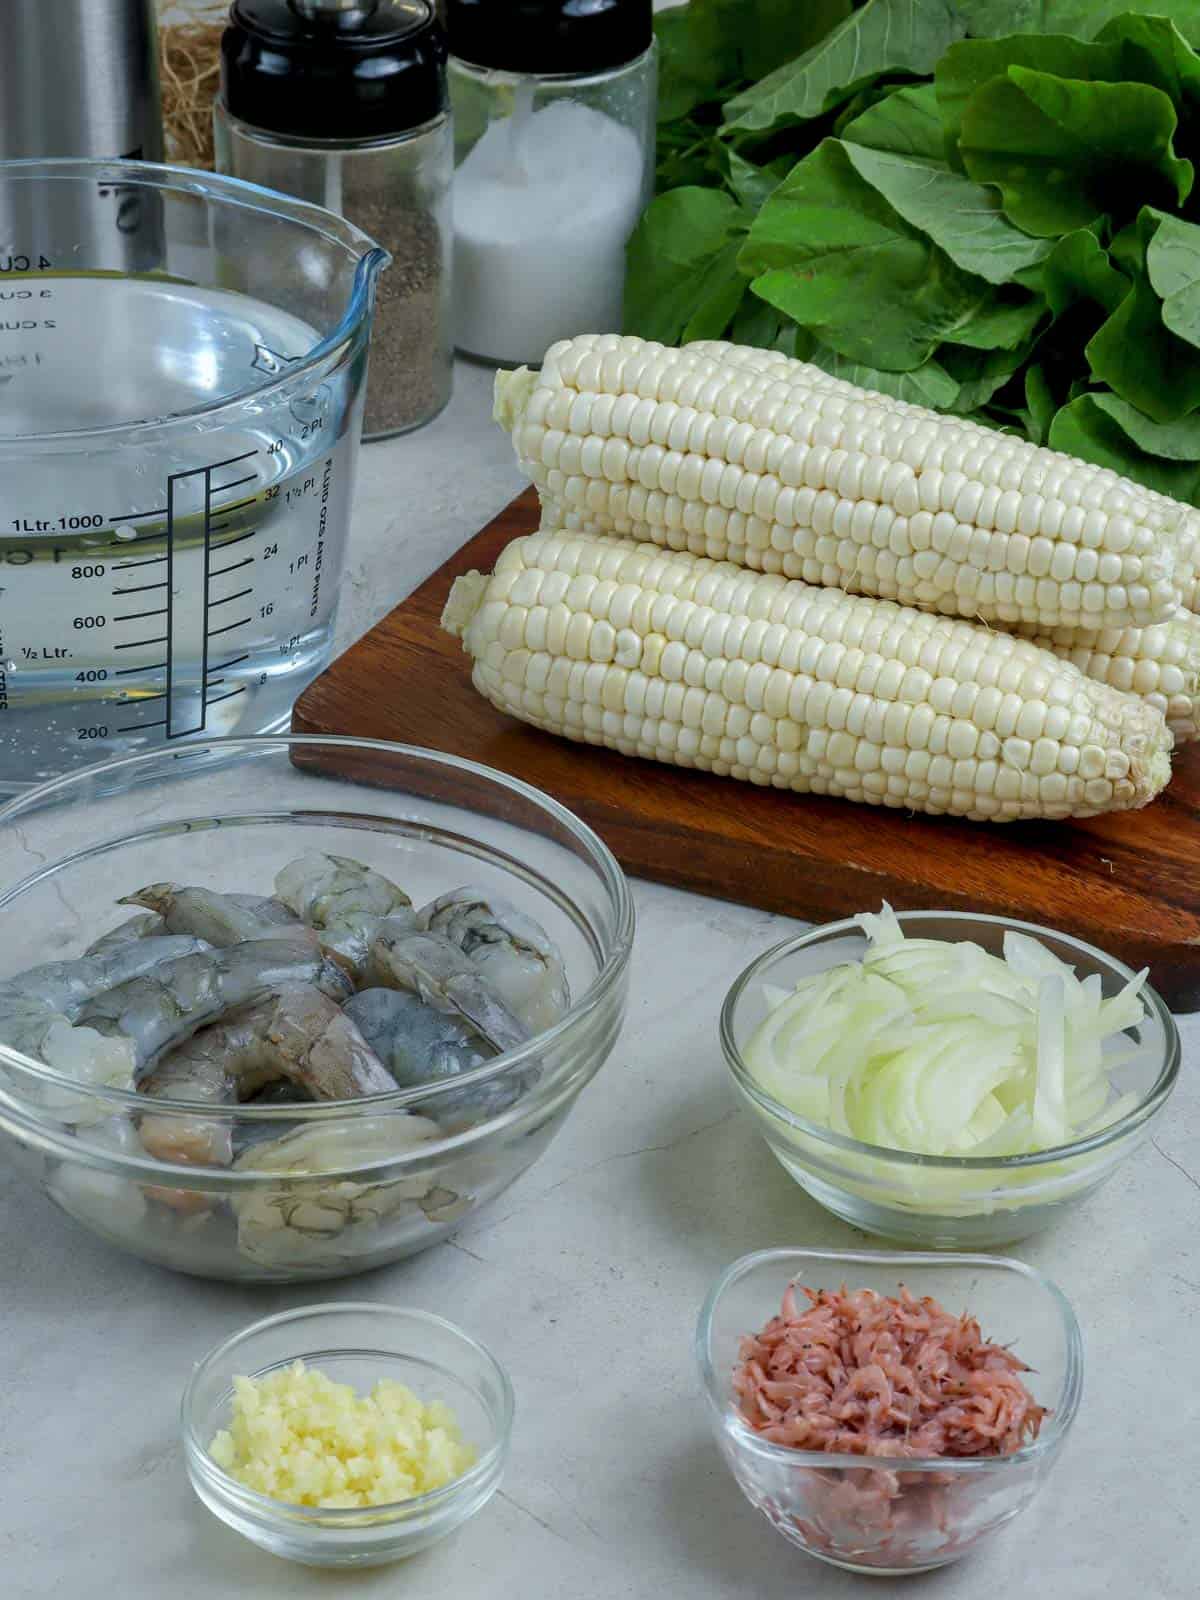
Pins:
<point x="586" y="1278"/>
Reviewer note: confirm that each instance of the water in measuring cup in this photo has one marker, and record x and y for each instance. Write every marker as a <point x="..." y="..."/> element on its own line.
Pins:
<point x="160" y="591"/>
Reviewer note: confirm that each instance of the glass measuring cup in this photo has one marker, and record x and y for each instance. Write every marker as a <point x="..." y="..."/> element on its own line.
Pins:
<point x="182" y="366"/>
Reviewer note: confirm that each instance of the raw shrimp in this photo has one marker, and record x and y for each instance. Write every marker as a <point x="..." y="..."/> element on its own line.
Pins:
<point x="39" y="1007"/>
<point x="299" y="1035"/>
<point x="220" y="919"/>
<point x="327" y="890"/>
<point x="112" y="1205"/>
<point x="65" y="986"/>
<point x="515" y="954"/>
<point x="311" y="1220"/>
<point x="344" y="901"/>
<point x="435" y="969"/>
<point x="160" y="1010"/>
<point x="143" y="926"/>
<point x="420" y="1045"/>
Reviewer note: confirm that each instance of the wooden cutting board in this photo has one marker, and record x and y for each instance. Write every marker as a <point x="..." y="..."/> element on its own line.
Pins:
<point x="1130" y="884"/>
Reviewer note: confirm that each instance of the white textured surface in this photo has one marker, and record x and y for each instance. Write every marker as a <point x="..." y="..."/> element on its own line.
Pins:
<point x="586" y="1279"/>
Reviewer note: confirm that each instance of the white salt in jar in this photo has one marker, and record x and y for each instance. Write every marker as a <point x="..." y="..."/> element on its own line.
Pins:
<point x="554" y="119"/>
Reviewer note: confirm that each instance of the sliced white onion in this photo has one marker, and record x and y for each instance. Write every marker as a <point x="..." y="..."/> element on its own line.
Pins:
<point x="941" y="1048"/>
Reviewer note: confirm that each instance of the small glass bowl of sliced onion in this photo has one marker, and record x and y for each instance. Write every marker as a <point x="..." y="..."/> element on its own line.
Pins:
<point x="946" y="1079"/>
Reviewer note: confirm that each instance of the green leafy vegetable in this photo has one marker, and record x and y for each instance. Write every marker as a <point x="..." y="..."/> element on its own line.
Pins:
<point x="1086" y="429"/>
<point x="1064" y="152"/>
<point x="966" y="67"/>
<point x="885" y="36"/>
<point x="927" y="385"/>
<point x="1078" y="269"/>
<point x="826" y="247"/>
<point x="709" y="47"/>
<point x="683" y="264"/>
<point x="1173" y="265"/>
<point x="988" y="207"/>
<point x="1084" y="18"/>
<point x="897" y="147"/>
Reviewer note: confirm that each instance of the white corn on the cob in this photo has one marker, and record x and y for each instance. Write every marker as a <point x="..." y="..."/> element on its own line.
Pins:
<point x="702" y="664"/>
<point x="750" y="456"/>
<point x="1160" y="663"/>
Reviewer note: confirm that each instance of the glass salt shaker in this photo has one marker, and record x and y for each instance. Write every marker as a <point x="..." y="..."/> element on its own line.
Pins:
<point x="554" y="125"/>
<point x="344" y="103"/>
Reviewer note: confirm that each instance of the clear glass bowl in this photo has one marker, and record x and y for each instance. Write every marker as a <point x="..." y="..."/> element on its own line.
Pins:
<point x="945" y="1202"/>
<point x="893" y="1517"/>
<point x="229" y="815"/>
<point x="356" y="1343"/>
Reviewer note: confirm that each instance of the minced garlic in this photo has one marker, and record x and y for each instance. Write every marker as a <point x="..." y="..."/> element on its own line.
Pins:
<point x="298" y="1436"/>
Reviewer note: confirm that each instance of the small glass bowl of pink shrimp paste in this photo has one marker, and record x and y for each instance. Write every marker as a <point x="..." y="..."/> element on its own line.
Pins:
<point x="977" y="1360"/>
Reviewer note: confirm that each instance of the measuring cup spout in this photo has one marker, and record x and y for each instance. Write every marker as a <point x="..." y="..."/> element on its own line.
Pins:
<point x="174" y="536"/>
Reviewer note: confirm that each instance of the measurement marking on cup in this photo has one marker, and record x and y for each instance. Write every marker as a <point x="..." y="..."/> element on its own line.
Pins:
<point x="150" y="561"/>
<point x="128" y="672"/>
<point x="139" y="588"/>
<point x="140" y="727"/>
<point x="136" y="644"/>
<point x="139" y="516"/>
<point x="132" y="616"/>
<point x="227" y="544"/>
<point x="217" y="698"/>
<point x="219" y="572"/>
<point x="229" y="627"/>
<point x="191" y="499"/>
<point x="234" y="661"/>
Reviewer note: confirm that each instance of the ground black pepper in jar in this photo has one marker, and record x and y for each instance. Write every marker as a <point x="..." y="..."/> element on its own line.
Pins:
<point x="357" y="123"/>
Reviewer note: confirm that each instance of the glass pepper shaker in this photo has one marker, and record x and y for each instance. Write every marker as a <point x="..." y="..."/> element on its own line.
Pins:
<point x="344" y="103"/>
<point x="554" y="114"/>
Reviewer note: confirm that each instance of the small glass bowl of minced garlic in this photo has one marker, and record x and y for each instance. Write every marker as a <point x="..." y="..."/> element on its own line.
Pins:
<point x="347" y="1435"/>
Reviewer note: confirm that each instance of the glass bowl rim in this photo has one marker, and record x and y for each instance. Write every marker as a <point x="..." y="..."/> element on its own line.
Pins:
<point x="1053" y="1431"/>
<point x="339" y="1517"/>
<point x="594" y="851"/>
<point x="1151" y="1102"/>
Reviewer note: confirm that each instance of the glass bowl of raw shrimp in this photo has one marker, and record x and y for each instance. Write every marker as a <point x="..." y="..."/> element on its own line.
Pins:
<point x="888" y="1515"/>
<point x="295" y="1007"/>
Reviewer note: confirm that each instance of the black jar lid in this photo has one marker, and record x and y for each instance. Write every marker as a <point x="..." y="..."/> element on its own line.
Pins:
<point x="549" y="37"/>
<point x="333" y="69"/>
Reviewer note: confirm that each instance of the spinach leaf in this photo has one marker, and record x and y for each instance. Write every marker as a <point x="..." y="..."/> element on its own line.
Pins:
<point x="1134" y="353"/>
<point x="751" y="184"/>
<point x="1039" y="403"/>
<point x="898" y="148"/>
<point x="759" y="324"/>
<point x="710" y="47"/>
<point x="884" y="36"/>
<point x="1173" y="266"/>
<point x="681" y="265"/>
<point x="1064" y="152"/>
<point x="1173" y="441"/>
<point x="1085" y="429"/>
<point x="1003" y="323"/>
<point x="927" y="385"/>
<point x="828" y="250"/>
<point x="1078" y="270"/>
<point x="980" y="374"/>
<point x="1152" y="50"/>
<point x="1083" y="18"/>
<point x="971" y="63"/>
<point x="906" y="122"/>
